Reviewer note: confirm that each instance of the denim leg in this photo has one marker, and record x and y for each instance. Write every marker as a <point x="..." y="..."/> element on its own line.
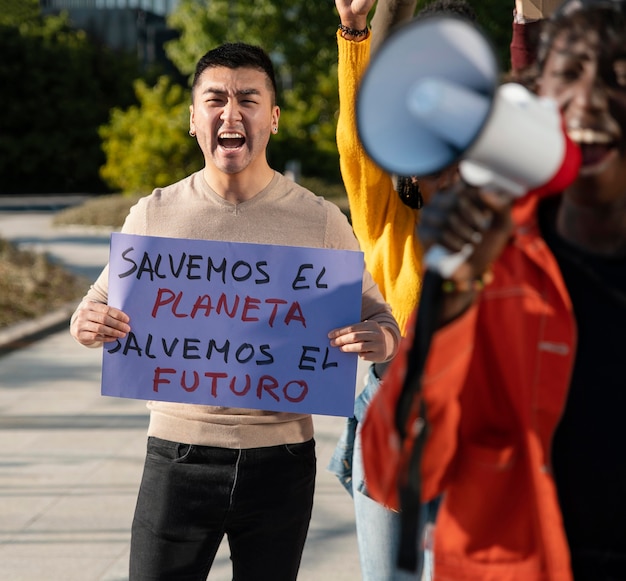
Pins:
<point x="190" y="496"/>
<point x="378" y="531"/>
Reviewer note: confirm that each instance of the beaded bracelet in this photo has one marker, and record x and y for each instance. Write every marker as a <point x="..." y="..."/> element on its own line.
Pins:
<point x="352" y="31"/>
<point x="476" y="284"/>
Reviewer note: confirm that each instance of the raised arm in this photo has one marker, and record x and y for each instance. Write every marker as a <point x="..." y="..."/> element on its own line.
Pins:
<point x="389" y="13"/>
<point x="383" y="224"/>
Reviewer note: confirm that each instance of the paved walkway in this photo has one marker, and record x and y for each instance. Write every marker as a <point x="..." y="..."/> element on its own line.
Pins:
<point x="71" y="460"/>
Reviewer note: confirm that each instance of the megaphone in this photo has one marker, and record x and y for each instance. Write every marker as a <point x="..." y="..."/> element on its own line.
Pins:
<point x="430" y="98"/>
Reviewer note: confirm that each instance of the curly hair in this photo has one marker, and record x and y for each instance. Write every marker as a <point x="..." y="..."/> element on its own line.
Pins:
<point x="452" y="7"/>
<point x="409" y="191"/>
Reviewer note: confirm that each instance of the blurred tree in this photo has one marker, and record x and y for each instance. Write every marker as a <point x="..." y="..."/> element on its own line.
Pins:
<point x="299" y="35"/>
<point x="15" y="11"/>
<point x="57" y="89"/>
<point x="147" y="145"/>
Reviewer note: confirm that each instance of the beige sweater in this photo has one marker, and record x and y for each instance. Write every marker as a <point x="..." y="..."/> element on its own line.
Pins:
<point x="284" y="213"/>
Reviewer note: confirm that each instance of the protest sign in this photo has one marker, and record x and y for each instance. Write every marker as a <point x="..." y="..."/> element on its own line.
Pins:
<point x="233" y="324"/>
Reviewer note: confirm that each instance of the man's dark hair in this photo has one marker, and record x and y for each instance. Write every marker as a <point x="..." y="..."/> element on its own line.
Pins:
<point x="237" y="55"/>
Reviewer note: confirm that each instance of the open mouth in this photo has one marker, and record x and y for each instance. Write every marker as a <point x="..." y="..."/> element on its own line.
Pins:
<point x="231" y="140"/>
<point x="595" y="146"/>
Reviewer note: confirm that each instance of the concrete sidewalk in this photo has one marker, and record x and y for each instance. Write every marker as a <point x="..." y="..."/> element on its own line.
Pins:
<point x="71" y="460"/>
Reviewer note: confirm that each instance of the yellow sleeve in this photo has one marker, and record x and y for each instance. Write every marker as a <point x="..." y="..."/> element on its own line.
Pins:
<point x="384" y="226"/>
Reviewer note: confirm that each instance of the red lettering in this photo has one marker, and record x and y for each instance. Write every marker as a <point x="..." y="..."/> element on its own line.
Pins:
<point x="248" y="305"/>
<point x="160" y="302"/>
<point x="194" y="386"/>
<point x="202" y="303"/>
<point x="214" y="377"/>
<point x="175" y="306"/>
<point x="222" y="305"/>
<point x="295" y="314"/>
<point x="245" y="389"/>
<point x="269" y="384"/>
<point x="157" y="380"/>
<point x="304" y="389"/>
<point x="293" y="391"/>
<point x="169" y="297"/>
<point x="274" y="302"/>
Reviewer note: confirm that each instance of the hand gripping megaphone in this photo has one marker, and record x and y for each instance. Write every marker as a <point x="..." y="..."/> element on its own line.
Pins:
<point x="430" y="98"/>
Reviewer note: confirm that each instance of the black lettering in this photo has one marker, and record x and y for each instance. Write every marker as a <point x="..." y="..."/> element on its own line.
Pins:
<point x="176" y="269"/>
<point x="223" y="350"/>
<point x="157" y="264"/>
<point x="131" y="344"/>
<point x="326" y="364"/>
<point x="145" y="266"/>
<point x="169" y="349"/>
<point x="266" y="278"/>
<point x="125" y="257"/>
<point x="318" y="284"/>
<point x="243" y="348"/>
<point x="247" y="271"/>
<point x="265" y="350"/>
<point x="191" y="264"/>
<point x="220" y="269"/>
<point x="189" y="347"/>
<point x="116" y="347"/>
<point x="148" y="345"/>
<point x="304" y="358"/>
<point x="300" y="278"/>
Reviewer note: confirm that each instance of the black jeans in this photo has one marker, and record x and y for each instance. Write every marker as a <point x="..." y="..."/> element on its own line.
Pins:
<point x="191" y="496"/>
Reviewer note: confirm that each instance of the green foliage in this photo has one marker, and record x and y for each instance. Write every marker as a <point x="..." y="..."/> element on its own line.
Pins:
<point x="299" y="35"/>
<point x="13" y="12"/>
<point x="148" y="145"/>
<point x="57" y="89"/>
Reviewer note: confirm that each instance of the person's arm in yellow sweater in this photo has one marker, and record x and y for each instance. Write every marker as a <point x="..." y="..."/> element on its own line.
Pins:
<point x="383" y="224"/>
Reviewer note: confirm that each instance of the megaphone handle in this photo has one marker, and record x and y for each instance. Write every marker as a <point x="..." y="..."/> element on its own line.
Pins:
<point x="444" y="262"/>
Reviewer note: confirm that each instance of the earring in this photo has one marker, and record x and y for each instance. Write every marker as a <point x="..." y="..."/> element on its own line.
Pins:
<point x="192" y="133"/>
<point x="275" y="129"/>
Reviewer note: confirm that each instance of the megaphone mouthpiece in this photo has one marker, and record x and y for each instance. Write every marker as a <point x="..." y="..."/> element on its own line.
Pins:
<point x="448" y="110"/>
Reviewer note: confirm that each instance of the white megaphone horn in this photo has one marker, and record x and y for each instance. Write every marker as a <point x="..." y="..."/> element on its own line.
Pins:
<point x="430" y="98"/>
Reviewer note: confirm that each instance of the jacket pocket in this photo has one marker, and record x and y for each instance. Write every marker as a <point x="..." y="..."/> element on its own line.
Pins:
<point x="488" y="512"/>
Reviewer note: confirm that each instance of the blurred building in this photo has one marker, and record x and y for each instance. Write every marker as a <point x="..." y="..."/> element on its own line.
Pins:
<point x="130" y="25"/>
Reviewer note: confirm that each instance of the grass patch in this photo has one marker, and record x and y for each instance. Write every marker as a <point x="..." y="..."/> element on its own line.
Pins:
<point x="31" y="284"/>
<point x="103" y="211"/>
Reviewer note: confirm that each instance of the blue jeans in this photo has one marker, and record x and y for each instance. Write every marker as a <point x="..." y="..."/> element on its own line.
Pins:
<point x="191" y="496"/>
<point x="377" y="527"/>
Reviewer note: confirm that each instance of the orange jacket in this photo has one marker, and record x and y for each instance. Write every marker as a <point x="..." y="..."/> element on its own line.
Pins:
<point x="495" y="387"/>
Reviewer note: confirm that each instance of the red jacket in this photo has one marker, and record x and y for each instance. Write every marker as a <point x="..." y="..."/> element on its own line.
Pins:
<point x="495" y="387"/>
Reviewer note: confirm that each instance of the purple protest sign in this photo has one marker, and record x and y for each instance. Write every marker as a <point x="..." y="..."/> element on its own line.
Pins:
<point x="233" y="324"/>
